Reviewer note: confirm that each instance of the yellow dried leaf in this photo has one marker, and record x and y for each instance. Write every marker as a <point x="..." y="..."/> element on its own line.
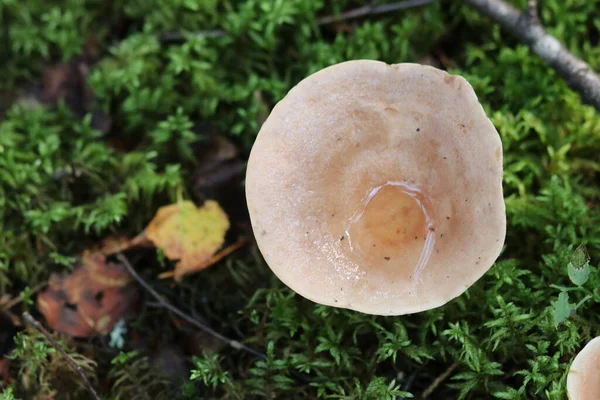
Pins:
<point x="188" y="233"/>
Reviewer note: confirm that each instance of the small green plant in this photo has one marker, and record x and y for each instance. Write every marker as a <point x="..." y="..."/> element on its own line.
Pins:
<point x="45" y="372"/>
<point x="209" y="372"/>
<point x="8" y="394"/>
<point x="33" y="350"/>
<point x="580" y="272"/>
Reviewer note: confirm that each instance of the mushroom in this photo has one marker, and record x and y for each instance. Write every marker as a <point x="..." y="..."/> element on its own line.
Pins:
<point x="378" y="188"/>
<point x="583" y="380"/>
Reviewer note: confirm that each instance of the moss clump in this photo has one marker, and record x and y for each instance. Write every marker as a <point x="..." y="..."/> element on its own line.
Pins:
<point x="169" y="72"/>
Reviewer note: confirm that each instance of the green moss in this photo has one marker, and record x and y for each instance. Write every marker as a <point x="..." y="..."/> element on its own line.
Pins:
<point x="62" y="187"/>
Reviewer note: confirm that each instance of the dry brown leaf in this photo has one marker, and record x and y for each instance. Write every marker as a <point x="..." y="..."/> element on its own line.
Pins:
<point x="8" y="329"/>
<point x="188" y="233"/>
<point x="90" y="300"/>
<point x="170" y="362"/>
<point x="114" y="244"/>
<point x="218" y="162"/>
<point x="120" y="243"/>
<point x="198" y="343"/>
<point x="4" y="370"/>
<point x="213" y="259"/>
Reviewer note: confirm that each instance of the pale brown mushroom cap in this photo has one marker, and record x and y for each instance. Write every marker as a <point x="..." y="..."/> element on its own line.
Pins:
<point x="378" y="188"/>
<point x="583" y="380"/>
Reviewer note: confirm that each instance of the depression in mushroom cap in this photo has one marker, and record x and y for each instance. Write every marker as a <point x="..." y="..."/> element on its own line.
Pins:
<point x="378" y="188"/>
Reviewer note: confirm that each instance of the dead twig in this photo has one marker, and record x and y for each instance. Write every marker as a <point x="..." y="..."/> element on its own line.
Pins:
<point x="19" y="300"/>
<point x="579" y="75"/>
<point x="233" y="343"/>
<point x="78" y="370"/>
<point x="427" y="392"/>
<point x="372" y="10"/>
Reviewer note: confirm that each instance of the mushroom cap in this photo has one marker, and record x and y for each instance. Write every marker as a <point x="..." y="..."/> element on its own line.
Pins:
<point x="583" y="380"/>
<point x="378" y="188"/>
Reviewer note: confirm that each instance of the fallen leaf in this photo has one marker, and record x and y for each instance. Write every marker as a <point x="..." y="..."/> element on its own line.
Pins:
<point x="430" y="60"/>
<point x="68" y="81"/>
<point x="218" y="176"/>
<point x="58" y="82"/>
<point x="120" y="243"/>
<point x="4" y="370"/>
<point x="213" y="259"/>
<point x="198" y="343"/>
<point x="170" y="362"/>
<point x="216" y="150"/>
<point x="90" y="300"/>
<point x="218" y="162"/>
<point x="188" y="233"/>
<point x="445" y="61"/>
<point x="8" y="330"/>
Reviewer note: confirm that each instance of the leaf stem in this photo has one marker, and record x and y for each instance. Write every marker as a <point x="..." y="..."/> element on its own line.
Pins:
<point x="586" y="298"/>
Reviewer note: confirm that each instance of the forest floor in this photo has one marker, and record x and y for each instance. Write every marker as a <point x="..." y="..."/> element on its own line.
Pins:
<point x="111" y="111"/>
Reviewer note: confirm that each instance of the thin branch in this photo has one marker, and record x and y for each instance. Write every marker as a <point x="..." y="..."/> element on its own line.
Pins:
<point x="427" y="392"/>
<point x="579" y="75"/>
<point x="233" y="343"/>
<point x="33" y="322"/>
<point x="19" y="300"/>
<point x="372" y="10"/>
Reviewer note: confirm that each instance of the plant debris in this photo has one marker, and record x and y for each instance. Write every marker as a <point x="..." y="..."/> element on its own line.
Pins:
<point x="189" y="234"/>
<point x="90" y="300"/>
